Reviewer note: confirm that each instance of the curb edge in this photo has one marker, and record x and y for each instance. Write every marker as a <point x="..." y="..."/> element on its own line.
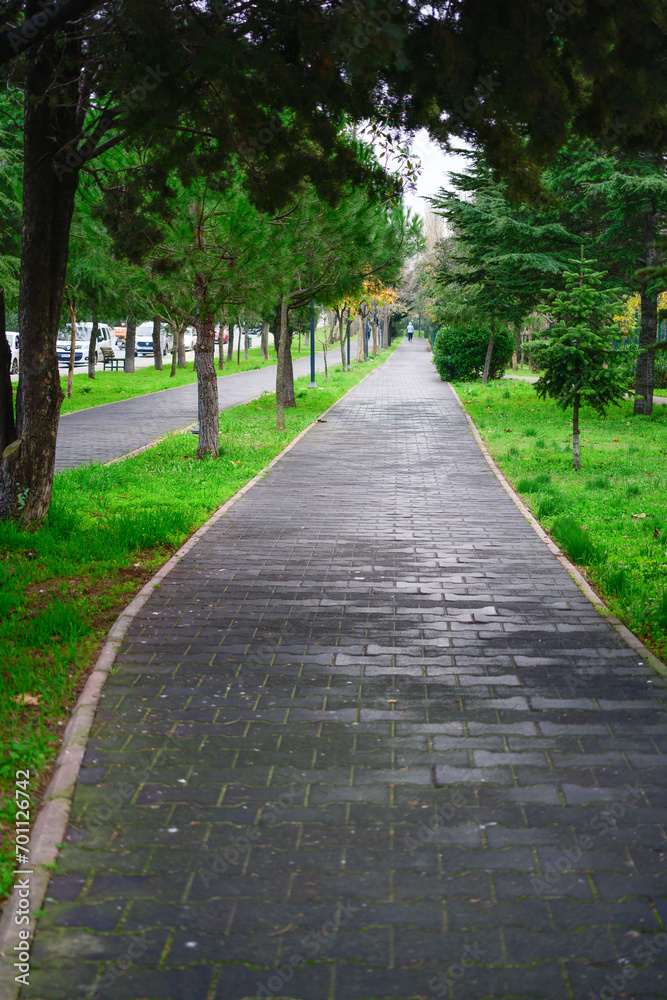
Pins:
<point x="629" y="637"/>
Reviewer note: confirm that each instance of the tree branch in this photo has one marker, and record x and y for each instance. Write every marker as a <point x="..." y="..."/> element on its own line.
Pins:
<point x="35" y="29"/>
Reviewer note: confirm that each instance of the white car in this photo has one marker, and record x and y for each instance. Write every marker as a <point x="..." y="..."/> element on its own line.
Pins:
<point x="105" y="338"/>
<point x="143" y="342"/>
<point x="13" y="340"/>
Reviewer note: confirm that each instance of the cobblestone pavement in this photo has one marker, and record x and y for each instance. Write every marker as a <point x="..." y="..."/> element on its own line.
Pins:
<point x="103" y="433"/>
<point x="368" y="740"/>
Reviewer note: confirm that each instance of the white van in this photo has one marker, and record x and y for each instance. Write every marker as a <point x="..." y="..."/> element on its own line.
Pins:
<point x="143" y="343"/>
<point x="13" y="341"/>
<point x="105" y="338"/>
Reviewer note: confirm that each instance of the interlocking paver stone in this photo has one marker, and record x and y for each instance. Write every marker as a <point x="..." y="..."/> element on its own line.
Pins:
<point x="368" y="740"/>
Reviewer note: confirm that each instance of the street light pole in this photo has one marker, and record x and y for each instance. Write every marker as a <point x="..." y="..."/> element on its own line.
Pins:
<point x="313" y="383"/>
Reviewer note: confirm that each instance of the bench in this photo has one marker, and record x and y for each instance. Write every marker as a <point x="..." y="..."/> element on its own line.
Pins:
<point x="109" y="358"/>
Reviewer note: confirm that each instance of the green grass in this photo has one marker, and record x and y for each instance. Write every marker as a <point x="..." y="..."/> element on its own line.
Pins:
<point x="109" y="387"/>
<point x="108" y="529"/>
<point x="522" y="370"/>
<point x="610" y="518"/>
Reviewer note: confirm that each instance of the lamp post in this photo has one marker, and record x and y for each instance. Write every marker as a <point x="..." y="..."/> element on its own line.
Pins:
<point x="313" y="383"/>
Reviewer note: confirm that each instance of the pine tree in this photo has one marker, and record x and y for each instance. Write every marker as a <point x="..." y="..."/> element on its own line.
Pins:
<point x="618" y="205"/>
<point x="580" y="367"/>
<point x="502" y="255"/>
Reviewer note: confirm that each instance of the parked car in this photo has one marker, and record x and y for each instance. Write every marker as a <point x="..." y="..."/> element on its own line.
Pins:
<point x="143" y="343"/>
<point x="189" y="338"/>
<point x="105" y="338"/>
<point x="13" y="340"/>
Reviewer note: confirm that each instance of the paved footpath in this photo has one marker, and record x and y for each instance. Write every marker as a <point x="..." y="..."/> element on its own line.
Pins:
<point x="368" y="740"/>
<point x="102" y="433"/>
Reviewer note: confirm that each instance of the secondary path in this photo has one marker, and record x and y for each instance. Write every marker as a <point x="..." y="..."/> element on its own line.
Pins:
<point x="368" y="740"/>
<point x="657" y="400"/>
<point x="102" y="433"/>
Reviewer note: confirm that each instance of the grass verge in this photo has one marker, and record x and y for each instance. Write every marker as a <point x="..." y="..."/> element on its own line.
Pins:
<point x="109" y="528"/>
<point x="109" y="387"/>
<point x="611" y="517"/>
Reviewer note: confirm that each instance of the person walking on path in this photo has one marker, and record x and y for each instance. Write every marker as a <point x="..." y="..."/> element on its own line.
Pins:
<point x="406" y="758"/>
<point x="411" y="330"/>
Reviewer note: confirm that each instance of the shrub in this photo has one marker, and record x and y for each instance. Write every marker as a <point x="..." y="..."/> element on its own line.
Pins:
<point x="460" y="352"/>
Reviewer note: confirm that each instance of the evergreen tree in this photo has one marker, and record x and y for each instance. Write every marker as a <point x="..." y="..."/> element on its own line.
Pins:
<point x="580" y="367"/>
<point x="618" y="205"/>
<point x="260" y="78"/>
<point x="502" y="255"/>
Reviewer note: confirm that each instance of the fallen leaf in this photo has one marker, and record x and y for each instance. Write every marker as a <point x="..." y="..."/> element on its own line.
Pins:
<point x="616" y="439"/>
<point x="283" y="930"/>
<point x="27" y="699"/>
<point x="639" y="515"/>
<point x="321" y="421"/>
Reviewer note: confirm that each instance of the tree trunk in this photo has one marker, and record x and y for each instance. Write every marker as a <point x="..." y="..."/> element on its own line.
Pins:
<point x="360" y="335"/>
<point x="341" y="321"/>
<point x="238" y="344"/>
<point x="648" y="330"/>
<point x="130" y="342"/>
<point x="331" y="316"/>
<point x="50" y="122"/>
<point x="576" y="459"/>
<point x="221" y="345"/>
<point x="645" y="368"/>
<point x="181" y="361"/>
<point x="174" y="356"/>
<point x="489" y="353"/>
<point x="375" y="337"/>
<point x="92" y="345"/>
<point x="207" y="382"/>
<point x="157" y="346"/>
<point x="517" y="346"/>
<point x="265" y="341"/>
<point x="288" y="397"/>
<point x="7" y="426"/>
<point x="230" y="343"/>
<point x="280" y="337"/>
<point x="246" y="341"/>
<point x="72" y="347"/>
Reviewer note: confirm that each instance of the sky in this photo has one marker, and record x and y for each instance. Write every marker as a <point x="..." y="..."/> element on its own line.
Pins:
<point x="434" y="170"/>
